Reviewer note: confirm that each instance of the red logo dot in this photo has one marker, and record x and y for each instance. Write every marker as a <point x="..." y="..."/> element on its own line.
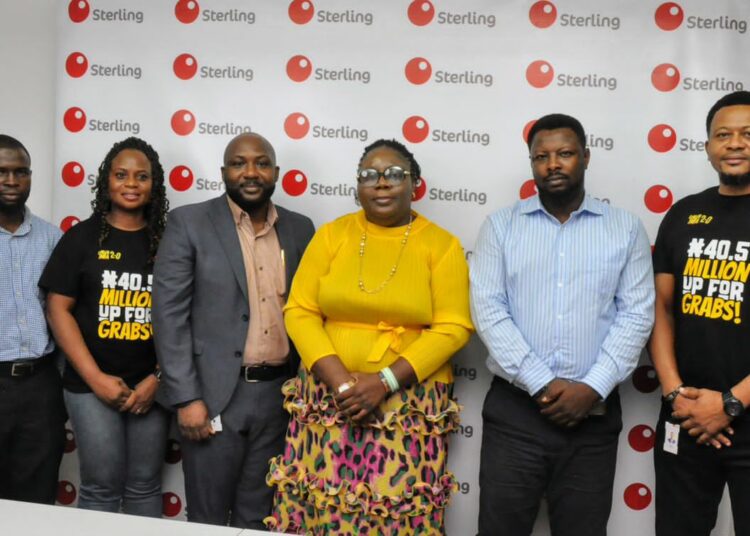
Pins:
<point x="539" y="73"/>
<point x="68" y="222"/>
<point x="76" y="65"/>
<point x="416" y="129"/>
<point x="294" y="182"/>
<point x="669" y="16"/>
<point x="74" y="119"/>
<point x="299" y="68"/>
<point x="528" y="189"/>
<point x="543" y="14"/>
<point x="658" y="198"/>
<point x="420" y="190"/>
<point x="72" y="174"/>
<point x="78" y="10"/>
<point x="641" y="438"/>
<point x="183" y="122"/>
<point x="70" y="441"/>
<point x="662" y="138"/>
<point x="185" y="66"/>
<point x="66" y="492"/>
<point x="645" y="379"/>
<point x="637" y="496"/>
<point x="181" y="178"/>
<point x="421" y="12"/>
<point x="187" y="11"/>
<point x="665" y="77"/>
<point x="174" y="452"/>
<point x="418" y="71"/>
<point x="296" y="126"/>
<point x="171" y="504"/>
<point x="301" y="11"/>
<point x="526" y="130"/>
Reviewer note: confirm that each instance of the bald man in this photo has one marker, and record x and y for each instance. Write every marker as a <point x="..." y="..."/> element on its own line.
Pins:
<point x="221" y="278"/>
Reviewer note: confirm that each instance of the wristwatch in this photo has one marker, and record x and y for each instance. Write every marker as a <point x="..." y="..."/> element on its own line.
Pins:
<point x="732" y="406"/>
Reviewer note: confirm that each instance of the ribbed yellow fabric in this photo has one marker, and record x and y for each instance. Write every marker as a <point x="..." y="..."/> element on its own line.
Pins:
<point x="421" y="315"/>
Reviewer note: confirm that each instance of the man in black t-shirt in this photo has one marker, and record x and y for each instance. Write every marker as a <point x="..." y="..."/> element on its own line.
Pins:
<point x="701" y="340"/>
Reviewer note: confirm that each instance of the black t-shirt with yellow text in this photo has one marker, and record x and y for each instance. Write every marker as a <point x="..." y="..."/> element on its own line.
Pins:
<point x="112" y="288"/>
<point x="704" y="241"/>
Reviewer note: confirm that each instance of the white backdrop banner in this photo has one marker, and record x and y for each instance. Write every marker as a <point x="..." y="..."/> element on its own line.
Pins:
<point x="459" y="81"/>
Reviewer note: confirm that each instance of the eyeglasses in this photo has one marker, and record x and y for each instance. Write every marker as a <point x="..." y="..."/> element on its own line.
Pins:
<point x="393" y="176"/>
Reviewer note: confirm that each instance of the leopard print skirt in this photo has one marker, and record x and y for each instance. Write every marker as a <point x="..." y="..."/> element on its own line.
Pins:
<point x="388" y="477"/>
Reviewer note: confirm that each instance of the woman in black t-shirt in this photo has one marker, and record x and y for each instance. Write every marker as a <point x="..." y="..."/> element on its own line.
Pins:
<point x="98" y="281"/>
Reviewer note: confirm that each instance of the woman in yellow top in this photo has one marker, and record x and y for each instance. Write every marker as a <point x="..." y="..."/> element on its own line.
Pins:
<point x="378" y="306"/>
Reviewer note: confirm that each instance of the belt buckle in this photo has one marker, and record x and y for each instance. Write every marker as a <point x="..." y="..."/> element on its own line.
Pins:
<point x="23" y="369"/>
<point x="250" y="380"/>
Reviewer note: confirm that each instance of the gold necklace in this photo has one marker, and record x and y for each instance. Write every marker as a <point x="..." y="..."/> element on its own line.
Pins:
<point x="392" y="272"/>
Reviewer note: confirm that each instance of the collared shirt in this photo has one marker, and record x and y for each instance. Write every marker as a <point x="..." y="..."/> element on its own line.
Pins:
<point x="572" y="300"/>
<point x="266" y="341"/>
<point x="23" y="255"/>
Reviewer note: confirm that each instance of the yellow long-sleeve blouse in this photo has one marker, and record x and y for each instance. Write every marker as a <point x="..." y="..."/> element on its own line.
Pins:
<point x="422" y="314"/>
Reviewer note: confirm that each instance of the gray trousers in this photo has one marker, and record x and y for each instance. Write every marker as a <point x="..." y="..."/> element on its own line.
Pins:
<point x="225" y="475"/>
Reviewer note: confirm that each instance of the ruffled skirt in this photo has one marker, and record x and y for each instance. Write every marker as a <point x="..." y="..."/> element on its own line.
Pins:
<point x="385" y="478"/>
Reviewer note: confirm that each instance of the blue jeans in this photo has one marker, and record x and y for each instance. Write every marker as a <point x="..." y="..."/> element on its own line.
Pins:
<point x="120" y="455"/>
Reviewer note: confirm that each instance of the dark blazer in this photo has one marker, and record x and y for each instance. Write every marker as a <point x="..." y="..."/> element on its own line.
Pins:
<point x="200" y="301"/>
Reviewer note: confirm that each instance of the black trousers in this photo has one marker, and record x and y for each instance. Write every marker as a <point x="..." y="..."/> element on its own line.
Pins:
<point x="690" y="484"/>
<point x="225" y="475"/>
<point x="32" y="436"/>
<point x="525" y="457"/>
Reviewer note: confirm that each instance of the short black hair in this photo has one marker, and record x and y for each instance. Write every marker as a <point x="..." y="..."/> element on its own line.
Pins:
<point x="416" y="171"/>
<point x="555" y="121"/>
<point x="737" y="98"/>
<point x="9" y="142"/>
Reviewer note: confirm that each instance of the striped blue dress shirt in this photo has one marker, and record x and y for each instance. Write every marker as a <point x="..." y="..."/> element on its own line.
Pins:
<point x="23" y="256"/>
<point x="572" y="300"/>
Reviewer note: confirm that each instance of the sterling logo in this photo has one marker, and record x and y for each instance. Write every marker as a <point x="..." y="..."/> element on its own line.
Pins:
<point x="183" y="122"/>
<point x="419" y="71"/>
<point x="416" y="129"/>
<point x="543" y="15"/>
<point x="302" y="12"/>
<point x="79" y="11"/>
<point x="187" y="11"/>
<point x="666" y="77"/>
<point x="658" y="198"/>
<point x="181" y="178"/>
<point x="670" y="15"/>
<point x="528" y="189"/>
<point x="294" y="182"/>
<point x="77" y="65"/>
<point x="299" y="68"/>
<point x="540" y="74"/>
<point x="67" y="222"/>
<point x="74" y="119"/>
<point x="297" y="127"/>
<point x="462" y="195"/>
<point x="662" y="138"/>
<point x="73" y="174"/>
<point x="185" y="67"/>
<point x="422" y="12"/>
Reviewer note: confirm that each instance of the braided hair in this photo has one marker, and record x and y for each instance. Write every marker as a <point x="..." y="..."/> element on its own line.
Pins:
<point x="155" y="211"/>
<point x="414" y="169"/>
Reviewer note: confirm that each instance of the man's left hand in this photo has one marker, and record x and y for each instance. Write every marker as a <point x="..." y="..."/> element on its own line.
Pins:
<point x="705" y="417"/>
<point x="572" y="404"/>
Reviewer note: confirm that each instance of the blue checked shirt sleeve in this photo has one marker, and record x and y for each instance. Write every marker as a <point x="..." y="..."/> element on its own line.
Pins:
<point x="491" y="313"/>
<point x="634" y="301"/>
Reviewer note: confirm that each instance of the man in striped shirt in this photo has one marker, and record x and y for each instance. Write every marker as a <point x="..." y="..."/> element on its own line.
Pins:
<point x="32" y="415"/>
<point x="562" y="296"/>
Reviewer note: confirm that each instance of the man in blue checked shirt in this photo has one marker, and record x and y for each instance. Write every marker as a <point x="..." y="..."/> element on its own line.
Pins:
<point x="562" y="295"/>
<point x="32" y="414"/>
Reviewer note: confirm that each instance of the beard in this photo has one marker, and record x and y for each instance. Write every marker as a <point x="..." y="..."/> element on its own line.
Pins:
<point x="252" y="205"/>
<point x="741" y="179"/>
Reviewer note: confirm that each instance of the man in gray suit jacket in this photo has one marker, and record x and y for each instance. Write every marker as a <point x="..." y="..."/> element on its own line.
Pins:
<point x="220" y="283"/>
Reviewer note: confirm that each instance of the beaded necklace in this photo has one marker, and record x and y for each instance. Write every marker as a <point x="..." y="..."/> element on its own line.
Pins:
<point x="394" y="268"/>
